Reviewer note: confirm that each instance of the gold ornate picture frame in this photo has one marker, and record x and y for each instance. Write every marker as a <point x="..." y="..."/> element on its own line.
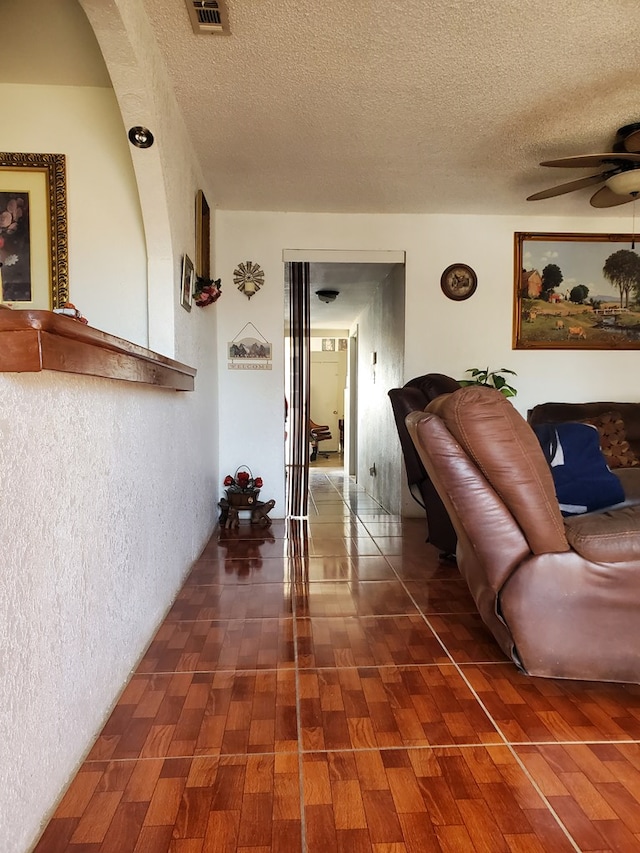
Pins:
<point x="33" y="230"/>
<point x="576" y="291"/>
<point x="203" y="241"/>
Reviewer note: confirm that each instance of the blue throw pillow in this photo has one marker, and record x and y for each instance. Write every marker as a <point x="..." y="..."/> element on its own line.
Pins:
<point x="581" y="476"/>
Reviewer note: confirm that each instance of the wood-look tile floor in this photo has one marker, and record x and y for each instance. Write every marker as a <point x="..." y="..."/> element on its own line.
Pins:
<point x="328" y="687"/>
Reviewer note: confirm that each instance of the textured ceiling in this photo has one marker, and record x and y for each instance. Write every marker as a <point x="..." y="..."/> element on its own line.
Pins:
<point x="404" y="106"/>
<point x="407" y="106"/>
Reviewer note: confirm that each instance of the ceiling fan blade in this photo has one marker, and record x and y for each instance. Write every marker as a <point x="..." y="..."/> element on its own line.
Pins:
<point x="570" y="186"/>
<point x="632" y="142"/>
<point x="605" y="197"/>
<point x="586" y="160"/>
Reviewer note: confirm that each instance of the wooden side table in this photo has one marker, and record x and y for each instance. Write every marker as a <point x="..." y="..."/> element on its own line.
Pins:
<point x="230" y="515"/>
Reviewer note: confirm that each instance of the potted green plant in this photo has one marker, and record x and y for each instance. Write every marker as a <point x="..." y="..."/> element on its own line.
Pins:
<point x="491" y="378"/>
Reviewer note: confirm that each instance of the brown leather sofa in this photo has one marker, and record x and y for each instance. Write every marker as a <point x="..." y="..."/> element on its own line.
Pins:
<point x="416" y="394"/>
<point x="560" y="595"/>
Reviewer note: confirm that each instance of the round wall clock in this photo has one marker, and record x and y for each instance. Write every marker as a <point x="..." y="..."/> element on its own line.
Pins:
<point x="458" y="282"/>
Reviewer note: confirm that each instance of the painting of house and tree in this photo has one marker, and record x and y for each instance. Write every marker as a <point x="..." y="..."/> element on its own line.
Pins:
<point x="576" y="291"/>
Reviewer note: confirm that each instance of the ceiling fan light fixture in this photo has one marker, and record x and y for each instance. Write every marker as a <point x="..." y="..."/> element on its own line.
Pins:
<point x="625" y="183"/>
<point x="327" y="295"/>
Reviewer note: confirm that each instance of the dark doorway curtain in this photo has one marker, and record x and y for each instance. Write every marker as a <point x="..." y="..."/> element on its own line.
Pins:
<point x="297" y="472"/>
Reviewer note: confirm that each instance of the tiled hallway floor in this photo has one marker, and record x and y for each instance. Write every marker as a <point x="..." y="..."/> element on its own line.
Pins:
<point x="329" y="688"/>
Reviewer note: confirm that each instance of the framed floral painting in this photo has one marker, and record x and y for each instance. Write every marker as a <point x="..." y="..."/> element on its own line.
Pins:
<point x="34" y="267"/>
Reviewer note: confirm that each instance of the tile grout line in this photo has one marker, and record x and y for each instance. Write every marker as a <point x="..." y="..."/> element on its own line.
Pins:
<point x="290" y="668"/>
<point x="365" y="749"/>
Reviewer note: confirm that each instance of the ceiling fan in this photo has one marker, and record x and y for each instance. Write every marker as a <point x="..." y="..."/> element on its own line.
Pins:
<point x="621" y="175"/>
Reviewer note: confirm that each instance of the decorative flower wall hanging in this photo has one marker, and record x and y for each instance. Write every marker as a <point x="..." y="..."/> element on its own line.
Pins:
<point x="249" y="278"/>
<point x="206" y="291"/>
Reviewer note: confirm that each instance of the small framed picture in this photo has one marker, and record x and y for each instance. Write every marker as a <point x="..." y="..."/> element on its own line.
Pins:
<point x="329" y="344"/>
<point x="186" y="287"/>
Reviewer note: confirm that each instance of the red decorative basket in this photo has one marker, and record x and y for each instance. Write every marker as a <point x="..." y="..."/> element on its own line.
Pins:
<point x="243" y="493"/>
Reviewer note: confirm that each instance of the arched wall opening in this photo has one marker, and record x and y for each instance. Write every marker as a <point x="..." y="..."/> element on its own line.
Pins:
<point x="127" y="45"/>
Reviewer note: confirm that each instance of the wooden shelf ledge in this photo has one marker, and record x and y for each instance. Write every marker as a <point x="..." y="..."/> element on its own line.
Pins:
<point x="31" y="341"/>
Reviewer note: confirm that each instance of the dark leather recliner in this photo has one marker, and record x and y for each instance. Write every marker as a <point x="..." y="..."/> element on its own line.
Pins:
<point x="415" y="396"/>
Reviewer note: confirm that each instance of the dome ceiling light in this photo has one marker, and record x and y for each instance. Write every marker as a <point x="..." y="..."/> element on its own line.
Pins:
<point x="327" y="295"/>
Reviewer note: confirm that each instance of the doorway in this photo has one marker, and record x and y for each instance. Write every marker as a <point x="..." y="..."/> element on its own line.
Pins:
<point x="369" y="306"/>
<point x="327" y="385"/>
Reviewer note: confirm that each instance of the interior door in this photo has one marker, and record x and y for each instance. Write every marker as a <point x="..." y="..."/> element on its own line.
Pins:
<point x="351" y="456"/>
<point x="327" y="390"/>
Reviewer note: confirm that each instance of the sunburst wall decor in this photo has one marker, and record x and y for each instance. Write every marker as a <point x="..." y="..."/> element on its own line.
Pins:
<point x="249" y="278"/>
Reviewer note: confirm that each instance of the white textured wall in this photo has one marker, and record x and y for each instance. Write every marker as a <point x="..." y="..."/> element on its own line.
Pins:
<point x="381" y="330"/>
<point x="441" y="335"/>
<point x="103" y="508"/>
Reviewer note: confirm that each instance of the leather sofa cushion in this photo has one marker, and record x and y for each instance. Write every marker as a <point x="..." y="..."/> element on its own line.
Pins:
<point x="612" y="536"/>
<point x="506" y="450"/>
<point x="630" y="479"/>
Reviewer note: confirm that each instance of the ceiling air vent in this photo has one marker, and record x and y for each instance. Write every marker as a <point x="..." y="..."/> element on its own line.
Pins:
<point x="208" y="16"/>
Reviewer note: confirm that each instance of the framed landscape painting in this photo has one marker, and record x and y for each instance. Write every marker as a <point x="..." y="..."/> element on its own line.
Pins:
<point x="576" y="291"/>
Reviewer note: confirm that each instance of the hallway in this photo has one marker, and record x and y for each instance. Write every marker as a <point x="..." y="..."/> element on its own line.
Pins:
<point x="330" y="688"/>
